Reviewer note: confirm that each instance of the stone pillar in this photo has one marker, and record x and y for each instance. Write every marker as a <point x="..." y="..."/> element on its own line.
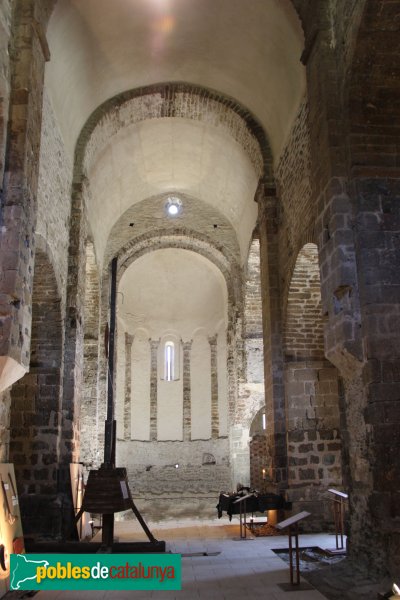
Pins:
<point x="272" y="336"/>
<point x="128" y="386"/>
<point x="214" y="388"/>
<point x="154" y="344"/>
<point x="74" y="325"/>
<point x="29" y="52"/>
<point x="187" y="417"/>
<point x="377" y="227"/>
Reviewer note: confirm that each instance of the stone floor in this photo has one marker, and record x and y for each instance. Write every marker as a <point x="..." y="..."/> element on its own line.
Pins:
<point x="242" y="569"/>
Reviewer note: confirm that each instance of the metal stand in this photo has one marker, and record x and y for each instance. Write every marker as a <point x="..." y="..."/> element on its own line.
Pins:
<point x="292" y="525"/>
<point x="243" y="516"/>
<point x="338" y="505"/>
<point x="294" y="532"/>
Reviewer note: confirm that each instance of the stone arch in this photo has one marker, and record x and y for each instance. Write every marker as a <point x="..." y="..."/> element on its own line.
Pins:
<point x="137" y="224"/>
<point x="227" y="261"/>
<point x="226" y="264"/>
<point x="303" y="336"/>
<point x="35" y="418"/>
<point x="186" y="240"/>
<point x="173" y="99"/>
<point x="311" y="389"/>
<point x="259" y="457"/>
<point x="181" y="420"/>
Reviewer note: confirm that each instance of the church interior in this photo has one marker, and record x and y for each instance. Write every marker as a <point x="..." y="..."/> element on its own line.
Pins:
<point x="238" y="163"/>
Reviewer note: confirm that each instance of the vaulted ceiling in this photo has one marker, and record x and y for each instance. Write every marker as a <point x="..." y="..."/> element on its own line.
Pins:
<point x="245" y="51"/>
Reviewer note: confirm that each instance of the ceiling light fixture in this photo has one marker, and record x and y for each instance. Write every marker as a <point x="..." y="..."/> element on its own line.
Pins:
<point x="173" y="206"/>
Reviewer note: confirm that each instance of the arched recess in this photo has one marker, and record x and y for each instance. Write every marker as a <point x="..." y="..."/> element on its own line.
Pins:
<point x="259" y="459"/>
<point x="91" y="429"/>
<point x="228" y="347"/>
<point x="173" y="296"/>
<point x="186" y="240"/>
<point x="35" y="419"/>
<point x="311" y="388"/>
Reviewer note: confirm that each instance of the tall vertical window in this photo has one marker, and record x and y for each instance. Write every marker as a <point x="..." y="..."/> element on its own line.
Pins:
<point x="169" y="361"/>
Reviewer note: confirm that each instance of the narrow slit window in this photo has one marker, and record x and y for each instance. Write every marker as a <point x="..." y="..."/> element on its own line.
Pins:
<point x="169" y="361"/>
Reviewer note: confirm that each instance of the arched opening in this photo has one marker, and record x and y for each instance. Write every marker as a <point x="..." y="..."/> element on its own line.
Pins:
<point x="169" y="361"/>
<point x="35" y="418"/>
<point x="171" y="394"/>
<point x="259" y="459"/>
<point x="312" y="402"/>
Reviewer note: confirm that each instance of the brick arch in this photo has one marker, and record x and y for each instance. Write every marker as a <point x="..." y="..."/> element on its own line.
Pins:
<point x="172" y="99"/>
<point x="307" y="237"/>
<point x="198" y="220"/>
<point x="303" y="333"/>
<point x="186" y="240"/>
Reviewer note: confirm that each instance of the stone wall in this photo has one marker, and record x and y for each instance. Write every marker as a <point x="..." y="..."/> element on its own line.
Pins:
<point x="35" y="399"/>
<point x="304" y="337"/>
<point x="35" y="412"/>
<point x="163" y="490"/>
<point x="312" y="401"/>
<point x="314" y="438"/>
<point x="54" y="194"/>
<point x="354" y="147"/>
<point x="294" y="186"/>
<point x="258" y="461"/>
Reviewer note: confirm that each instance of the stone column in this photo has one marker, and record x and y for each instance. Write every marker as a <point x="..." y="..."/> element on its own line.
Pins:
<point x="154" y="344"/>
<point x="128" y="386"/>
<point x="214" y="388"/>
<point x="187" y="416"/>
<point x="272" y="336"/>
